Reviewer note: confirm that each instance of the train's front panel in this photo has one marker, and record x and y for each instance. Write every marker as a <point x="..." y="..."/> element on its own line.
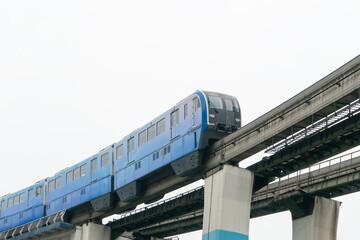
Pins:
<point x="224" y="112"/>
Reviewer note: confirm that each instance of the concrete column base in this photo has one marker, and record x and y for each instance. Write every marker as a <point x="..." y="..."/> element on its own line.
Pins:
<point x="92" y="231"/>
<point x="227" y="204"/>
<point x="77" y="235"/>
<point x="321" y="224"/>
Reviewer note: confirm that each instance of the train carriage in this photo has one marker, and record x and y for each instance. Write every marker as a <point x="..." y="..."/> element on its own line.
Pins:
<point x="176" y="137"/>
<point x="81" y="183"/>
<point x="22" y="206"/>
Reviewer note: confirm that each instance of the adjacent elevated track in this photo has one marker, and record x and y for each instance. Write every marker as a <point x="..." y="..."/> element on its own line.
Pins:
<point x="184" y="213"/>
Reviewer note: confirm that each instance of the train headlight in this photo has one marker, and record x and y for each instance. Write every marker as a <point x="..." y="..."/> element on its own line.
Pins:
<point x="237" y="119"/>
<point x="212" y="115"/>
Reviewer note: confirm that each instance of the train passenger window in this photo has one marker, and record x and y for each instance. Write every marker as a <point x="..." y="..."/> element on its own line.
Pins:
<point x="2" y="205"/>
<point x="76" y="173"/>
<point x="119" y="151"/>
<point x="142" y="138"/>
<point x="22" y="197"/>
<point x="174" y="118"/>
<point x="93" y="165"/>
<point x="69" y="177"/>
<point x="160" y="127"/>
<point x="38" y="190"/>
<point x="104" y="159"/>
<point x="131" y="145"/>
<point x="57" y="182"/>
<point x="185" y="111"/>
<point x="151" y="132"/>
<point x="16" y="200"/>
<point x="10" y="202"/>
<point x="51" y="186"/>
<point x="30" y="194"/>
<point x="83" y="170"/>
<point x="229" y="104"/>
<point x="215" y="102"/>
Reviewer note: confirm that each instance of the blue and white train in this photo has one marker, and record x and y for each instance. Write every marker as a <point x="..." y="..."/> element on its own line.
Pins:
<point x="176" y="138"/>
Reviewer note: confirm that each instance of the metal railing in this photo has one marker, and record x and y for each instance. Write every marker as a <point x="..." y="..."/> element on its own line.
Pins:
<point x="136" y="211"/>
<point x="312" y="174"/>
<point x="324" y="123"/>
<point x="34" y="225"/>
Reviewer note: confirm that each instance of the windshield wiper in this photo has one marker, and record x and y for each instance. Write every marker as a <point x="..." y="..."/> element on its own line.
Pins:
<point x="213" y="106"/>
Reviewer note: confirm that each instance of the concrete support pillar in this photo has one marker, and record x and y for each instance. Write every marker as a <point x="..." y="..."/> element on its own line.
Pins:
<point x="77" y="235"/>
<point x="321" y="224"/>
<point x="227" y="204"/>
<point x="92" y="231"/>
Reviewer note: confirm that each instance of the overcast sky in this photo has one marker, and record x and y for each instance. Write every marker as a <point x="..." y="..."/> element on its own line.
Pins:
<point x="77" y="76"/>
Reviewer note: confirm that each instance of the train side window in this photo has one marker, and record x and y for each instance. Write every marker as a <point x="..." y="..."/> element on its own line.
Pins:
<point x="93" y="165"/>
<point x="69" y="177"/>
<point x="142" y="138"/>
<point x="185" y="111"/>
<point x="174" y="118"/>
<point x="119" y="151"/>
<point x="83" y="169"/>
<point x="51" y="186"/>
<point x="160" y="127"/>
<point x="104" y="159"/>
<point x="2" y="205"/>
<point x="38" y="190"/>
<point x="30" y="194"/>
<point x="236" y="106"/>
<point x="57" y="182"/>
<point x="151" y="132"/>
<point x="16" y="200"/>
<point x="10" y="202"/>
<point x="131" y="145"/>
<point x="76" y="173"/>
<point x="22" y="197"/>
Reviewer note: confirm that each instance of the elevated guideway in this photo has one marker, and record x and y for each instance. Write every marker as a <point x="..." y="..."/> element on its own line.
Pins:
<point x="332" y="178"/>
<point x="274" y="130"/>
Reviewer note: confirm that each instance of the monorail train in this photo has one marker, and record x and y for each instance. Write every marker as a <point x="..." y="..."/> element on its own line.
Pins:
<point x="176" y="138"/>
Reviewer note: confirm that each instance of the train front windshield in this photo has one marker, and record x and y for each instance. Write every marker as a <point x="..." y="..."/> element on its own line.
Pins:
<point x="217" y="103"/>
<point x="224" y="112"/>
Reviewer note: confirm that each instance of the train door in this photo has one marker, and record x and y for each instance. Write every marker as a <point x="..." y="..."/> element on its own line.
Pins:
<point x="174" y="121"/>
<point x="93" y="168"/>
<point x="130" y="149"/>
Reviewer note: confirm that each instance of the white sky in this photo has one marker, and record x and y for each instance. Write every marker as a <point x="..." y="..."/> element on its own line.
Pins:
<point x="76" y="76"/>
